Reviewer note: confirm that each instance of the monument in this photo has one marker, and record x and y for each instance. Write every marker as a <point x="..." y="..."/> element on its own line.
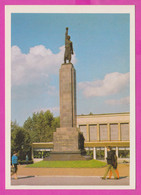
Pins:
<point x="65" y="139"/>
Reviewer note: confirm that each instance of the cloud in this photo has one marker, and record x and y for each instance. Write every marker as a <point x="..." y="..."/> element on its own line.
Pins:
<point x="54" y="110"/>
<point x="122" y="101"/>
<point x="36" y="66"/>
<point x="112" y="83"/>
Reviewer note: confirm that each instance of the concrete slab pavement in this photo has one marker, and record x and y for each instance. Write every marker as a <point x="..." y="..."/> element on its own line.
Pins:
<point x="67" y="180"/>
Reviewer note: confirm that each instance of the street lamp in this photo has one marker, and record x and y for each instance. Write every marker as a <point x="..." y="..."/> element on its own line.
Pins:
<point x="22" y="151"/>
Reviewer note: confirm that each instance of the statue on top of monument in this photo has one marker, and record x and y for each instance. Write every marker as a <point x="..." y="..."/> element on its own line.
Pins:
<point x="68" y="47"/>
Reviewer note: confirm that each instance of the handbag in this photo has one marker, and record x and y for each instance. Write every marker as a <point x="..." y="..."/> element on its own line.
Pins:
<point x="12" y="169"/>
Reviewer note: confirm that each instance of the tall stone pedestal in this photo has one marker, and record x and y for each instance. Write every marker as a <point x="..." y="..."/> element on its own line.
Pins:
<point x="67" y="96"/>
<point x="65" y="139"/>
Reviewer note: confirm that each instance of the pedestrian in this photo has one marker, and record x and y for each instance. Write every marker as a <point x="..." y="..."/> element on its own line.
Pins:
<point x="14" y="164"/>
<point x="110" y="156"/>
<point x="26" y="158"/>
<point x="114" y="163"/>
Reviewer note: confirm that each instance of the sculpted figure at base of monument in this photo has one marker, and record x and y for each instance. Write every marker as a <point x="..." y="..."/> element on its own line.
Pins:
<point x="68" y="48"/>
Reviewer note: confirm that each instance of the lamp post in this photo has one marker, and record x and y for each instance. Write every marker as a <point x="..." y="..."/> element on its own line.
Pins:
<point x="22" y="151"/>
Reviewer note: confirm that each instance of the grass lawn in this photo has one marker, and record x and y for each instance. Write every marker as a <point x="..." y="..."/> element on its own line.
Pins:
<point x="68" y="164"/>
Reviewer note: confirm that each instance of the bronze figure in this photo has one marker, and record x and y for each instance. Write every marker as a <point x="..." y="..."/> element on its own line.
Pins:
<point x="68" y="47"/>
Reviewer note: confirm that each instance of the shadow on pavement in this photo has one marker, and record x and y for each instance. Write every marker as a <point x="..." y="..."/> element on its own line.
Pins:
<point x="119" y="178"/>
<point x="25" y="177"/>
<point x="123" y="177"/>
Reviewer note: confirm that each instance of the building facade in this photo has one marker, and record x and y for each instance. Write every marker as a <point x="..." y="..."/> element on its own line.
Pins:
<point x="99" y="131"/>
<point x="102" y="130"/>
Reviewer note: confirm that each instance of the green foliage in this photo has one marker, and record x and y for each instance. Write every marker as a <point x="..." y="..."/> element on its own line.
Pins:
<point x="69" y="164"/>
<point x="41" y="126"/>
<point x="23" y="162"/>
<point x="41" y="154"/>
<point x="20" y="140"/>
<point x="100" y="154"/>
<point x="124" y="154"/>
<point x="89" y="153"/>
<point x="38" y="154"/>
<point x="38" y="128"/>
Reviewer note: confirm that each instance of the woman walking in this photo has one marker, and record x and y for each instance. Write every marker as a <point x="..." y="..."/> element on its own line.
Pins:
<point x="14" y="165"/>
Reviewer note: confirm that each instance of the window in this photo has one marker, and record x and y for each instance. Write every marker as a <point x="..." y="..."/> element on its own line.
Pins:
<point x="100" y="153"/>
<point x="103" y="132"/>
<point x="124" y="152"/>
<point x="83" y="129"/>
<point x="124" y="131"/>
<point x="93" y="132"/>
<point x="114" y="132"/>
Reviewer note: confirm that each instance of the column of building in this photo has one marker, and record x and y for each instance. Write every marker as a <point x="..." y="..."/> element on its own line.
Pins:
<point x="98" y="138"/>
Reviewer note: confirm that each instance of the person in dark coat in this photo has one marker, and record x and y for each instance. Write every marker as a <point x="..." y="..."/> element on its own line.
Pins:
<point x="110" y="156"/>
<point x="115" y="168"/>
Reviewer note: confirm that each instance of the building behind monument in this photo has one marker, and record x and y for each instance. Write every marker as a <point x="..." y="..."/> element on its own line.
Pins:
<point x="100" y="131"/>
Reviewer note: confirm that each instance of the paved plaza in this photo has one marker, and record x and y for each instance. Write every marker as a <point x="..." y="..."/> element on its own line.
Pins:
<point x="68" y="180"/>
<point x="68" y="176"/>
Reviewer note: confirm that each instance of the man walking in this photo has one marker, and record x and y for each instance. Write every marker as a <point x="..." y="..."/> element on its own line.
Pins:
<point x="110" y="156"/>
<point x="114" y="163"/>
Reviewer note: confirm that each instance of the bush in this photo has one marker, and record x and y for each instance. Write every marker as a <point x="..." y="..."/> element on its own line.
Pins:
<point x="46" y="154"/>
<point x="89" y="153"/>
<point x="124" y="154"/>
<point x="100" y="154"/>
<point x="41" y="154"/>
<point x="22" y="162"/>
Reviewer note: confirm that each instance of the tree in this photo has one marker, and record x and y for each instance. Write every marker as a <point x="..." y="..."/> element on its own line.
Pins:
<point x="41" y="126"/>
<point x="20" y="141"/>
<point x="38" y="128"/>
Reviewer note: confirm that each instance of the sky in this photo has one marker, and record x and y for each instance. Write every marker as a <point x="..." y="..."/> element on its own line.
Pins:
<point x="101" y="59"/>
